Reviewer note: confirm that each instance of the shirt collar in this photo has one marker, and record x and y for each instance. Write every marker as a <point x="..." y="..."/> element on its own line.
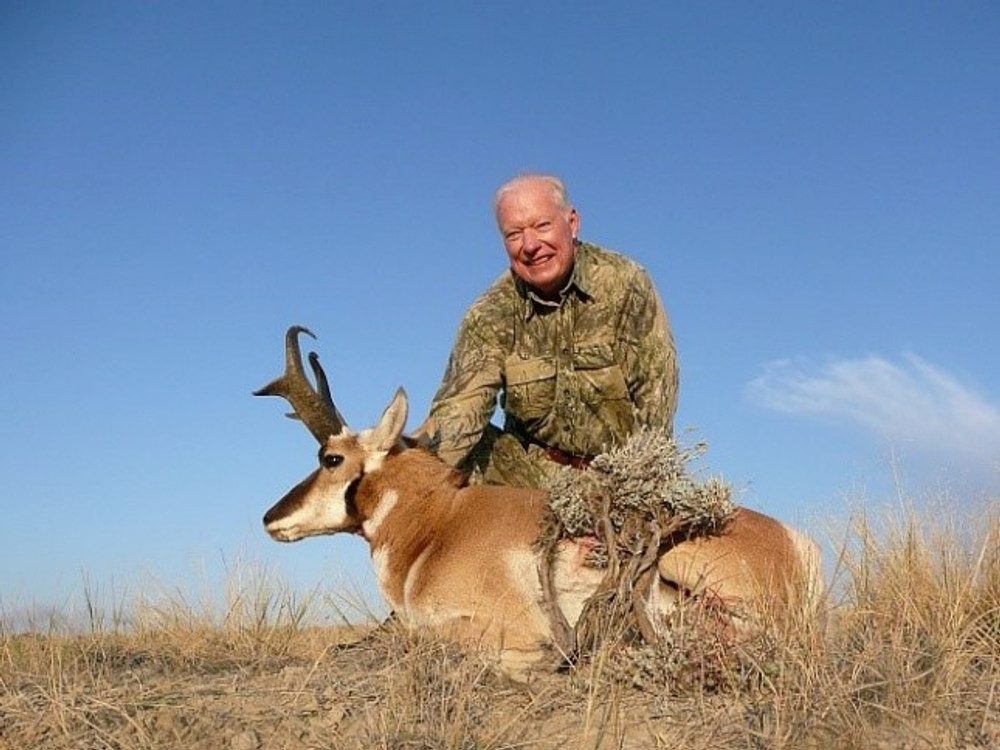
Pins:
<point x="579" y="281"/>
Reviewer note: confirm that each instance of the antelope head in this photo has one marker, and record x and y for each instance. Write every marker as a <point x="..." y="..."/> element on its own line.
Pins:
<point x="325" y="502"/>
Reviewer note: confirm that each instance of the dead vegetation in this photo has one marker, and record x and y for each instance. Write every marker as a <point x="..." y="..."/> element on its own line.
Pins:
<point x="633" y="502"/>
<point x="908" y="657"/>
<point x="646" y="484"/>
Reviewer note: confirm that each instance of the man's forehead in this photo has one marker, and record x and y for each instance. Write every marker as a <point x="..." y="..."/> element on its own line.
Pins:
<point x="526" y="204"/>
<point x="528" y="189"/>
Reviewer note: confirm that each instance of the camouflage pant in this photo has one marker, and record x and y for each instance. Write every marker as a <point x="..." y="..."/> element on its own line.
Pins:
<point x="500" y="458"/>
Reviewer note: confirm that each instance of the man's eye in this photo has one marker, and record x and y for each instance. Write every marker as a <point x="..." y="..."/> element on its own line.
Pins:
<point x="544" y="225"/>
<point x="512" y="236"/>
<point x="332" y="460"/>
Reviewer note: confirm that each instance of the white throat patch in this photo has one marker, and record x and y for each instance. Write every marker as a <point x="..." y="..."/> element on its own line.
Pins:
<point x="385" y="505"/>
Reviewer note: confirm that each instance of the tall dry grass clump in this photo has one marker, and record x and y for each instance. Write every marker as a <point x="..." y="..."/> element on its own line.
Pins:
<point x="917" y="640"/>
<point x="906" y="655"/>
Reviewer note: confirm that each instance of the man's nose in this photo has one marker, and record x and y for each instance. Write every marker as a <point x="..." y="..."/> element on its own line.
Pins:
<point x="529" y="240"/>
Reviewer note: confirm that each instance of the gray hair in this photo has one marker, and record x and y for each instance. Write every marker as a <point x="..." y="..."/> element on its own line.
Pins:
<point x="557" y="186"/>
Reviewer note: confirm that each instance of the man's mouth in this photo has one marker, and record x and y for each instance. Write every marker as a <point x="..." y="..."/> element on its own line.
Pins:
<point x="540" y="260"/>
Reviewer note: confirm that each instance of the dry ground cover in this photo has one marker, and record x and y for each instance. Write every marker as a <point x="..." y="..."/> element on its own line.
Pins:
<point x="909" y="657"/>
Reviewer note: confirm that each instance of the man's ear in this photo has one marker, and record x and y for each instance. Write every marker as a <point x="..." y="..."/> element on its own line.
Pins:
<point x="574" y="223"/>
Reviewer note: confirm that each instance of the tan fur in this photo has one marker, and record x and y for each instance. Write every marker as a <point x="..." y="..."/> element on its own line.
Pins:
<point x="757" y="558"/>
<point x="461" y="559"/>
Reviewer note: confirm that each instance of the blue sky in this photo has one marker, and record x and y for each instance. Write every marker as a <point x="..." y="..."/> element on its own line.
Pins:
<point x="814" y="188"/>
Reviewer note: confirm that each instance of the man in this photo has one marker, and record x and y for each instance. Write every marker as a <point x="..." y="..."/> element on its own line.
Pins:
<point x="574" y="340"/>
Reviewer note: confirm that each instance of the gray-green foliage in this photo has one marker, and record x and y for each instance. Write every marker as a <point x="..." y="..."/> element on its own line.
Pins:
<point x="645" y="481"/>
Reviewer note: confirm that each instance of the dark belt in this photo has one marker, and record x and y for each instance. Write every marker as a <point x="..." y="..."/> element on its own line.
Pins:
<point x="513" y="426"/>
<point x="567" y="459"/>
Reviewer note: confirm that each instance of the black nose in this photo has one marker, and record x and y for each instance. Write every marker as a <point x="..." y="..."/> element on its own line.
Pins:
<point x="268" y="517"/>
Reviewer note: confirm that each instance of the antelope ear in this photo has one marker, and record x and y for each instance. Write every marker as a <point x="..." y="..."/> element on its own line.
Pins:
<point x="390" y="426"/>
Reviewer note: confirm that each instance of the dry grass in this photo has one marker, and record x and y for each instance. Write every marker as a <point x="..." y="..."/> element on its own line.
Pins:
<point x="908" y="657"/>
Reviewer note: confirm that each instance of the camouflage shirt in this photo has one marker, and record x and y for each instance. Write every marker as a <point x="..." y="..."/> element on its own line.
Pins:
<point x="579" y="374"/>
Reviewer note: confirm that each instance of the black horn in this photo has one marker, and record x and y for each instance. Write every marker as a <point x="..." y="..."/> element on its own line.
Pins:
<point x="314" y="406"/>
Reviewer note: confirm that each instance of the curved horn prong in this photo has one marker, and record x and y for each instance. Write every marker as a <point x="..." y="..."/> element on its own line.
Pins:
<point x="323" y="386"/>
<point x="314" y="407"/>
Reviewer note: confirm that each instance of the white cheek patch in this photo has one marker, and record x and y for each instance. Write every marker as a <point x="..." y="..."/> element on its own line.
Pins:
<point x="385" y="505"/>
<point x="315" y="515"/>
<point x="331" y="513"/>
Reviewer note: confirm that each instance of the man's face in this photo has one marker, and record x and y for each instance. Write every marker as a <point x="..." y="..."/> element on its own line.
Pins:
<point x="539" y="235"/>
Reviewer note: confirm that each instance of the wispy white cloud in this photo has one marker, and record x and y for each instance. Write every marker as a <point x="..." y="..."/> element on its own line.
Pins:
<point x="910" y="401"/>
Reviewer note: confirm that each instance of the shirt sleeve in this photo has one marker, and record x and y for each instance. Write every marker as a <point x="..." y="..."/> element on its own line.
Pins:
<point x="467" y="397"/>
<point x="651" y="366"/>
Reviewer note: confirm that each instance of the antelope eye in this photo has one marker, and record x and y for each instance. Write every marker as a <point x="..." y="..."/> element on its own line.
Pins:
<point x="331" y="460"/>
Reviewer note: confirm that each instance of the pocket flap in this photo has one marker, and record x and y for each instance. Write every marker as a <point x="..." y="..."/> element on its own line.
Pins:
<point x="520" y="371"/>
<point x="593" y="355"/>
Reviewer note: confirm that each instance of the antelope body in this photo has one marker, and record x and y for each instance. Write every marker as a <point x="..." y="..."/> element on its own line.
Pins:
<point x="461" y="559"/>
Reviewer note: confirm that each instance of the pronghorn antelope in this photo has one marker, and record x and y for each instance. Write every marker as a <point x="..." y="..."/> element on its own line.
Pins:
<point x="461" y="559"/>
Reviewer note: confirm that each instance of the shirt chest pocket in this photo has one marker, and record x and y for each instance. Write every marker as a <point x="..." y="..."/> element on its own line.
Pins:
<point x="601" y="379"/>
<point x="530" y="387"/>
